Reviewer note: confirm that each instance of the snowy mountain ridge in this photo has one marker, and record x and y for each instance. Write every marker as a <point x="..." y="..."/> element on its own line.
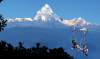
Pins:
<point x="46" y="15"/>
<point x="76" y="21"/>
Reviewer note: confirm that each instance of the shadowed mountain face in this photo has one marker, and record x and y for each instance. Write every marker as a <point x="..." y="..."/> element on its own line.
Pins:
<point x="53" y="38"/>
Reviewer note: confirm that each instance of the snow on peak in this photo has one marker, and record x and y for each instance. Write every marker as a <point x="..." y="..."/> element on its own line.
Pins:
<point x="20" y="19"/>
<point x="76" y="21"/>
<point x="44" y="13"/>
<point x="23" y="19"/>
<point x="82" y="22"/>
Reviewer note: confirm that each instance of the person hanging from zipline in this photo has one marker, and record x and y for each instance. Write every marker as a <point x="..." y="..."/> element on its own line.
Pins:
<point x="85" y="50"/>
<point x="84" y="43"/>
<point x="75" y="45"/>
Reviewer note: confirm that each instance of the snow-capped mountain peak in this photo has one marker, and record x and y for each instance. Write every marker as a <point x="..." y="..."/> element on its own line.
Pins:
<point x="45" y="17"/>
<point x="44" y="13"/>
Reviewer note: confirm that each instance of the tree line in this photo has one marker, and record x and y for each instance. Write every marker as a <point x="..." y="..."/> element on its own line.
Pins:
<point x="6" y="49"/>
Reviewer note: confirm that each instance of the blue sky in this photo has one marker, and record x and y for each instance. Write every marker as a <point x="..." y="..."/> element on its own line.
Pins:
<point x="87" y="9"/>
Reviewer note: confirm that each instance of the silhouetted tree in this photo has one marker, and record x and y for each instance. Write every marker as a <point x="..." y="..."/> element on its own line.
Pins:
<point x="3" y="23"/>
<point x="9" y="47"/>
<point x="37" y="45"/>
<point x="1" y="1"/>
<point x="20" y="45"/>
